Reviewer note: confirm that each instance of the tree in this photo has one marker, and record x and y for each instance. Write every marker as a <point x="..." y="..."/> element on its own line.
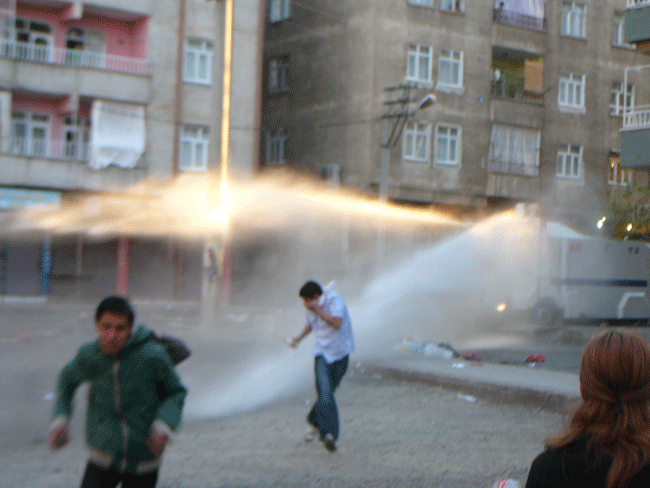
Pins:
<point x="632" y="211"/>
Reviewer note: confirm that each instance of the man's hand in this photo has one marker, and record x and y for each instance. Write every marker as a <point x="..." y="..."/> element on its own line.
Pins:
<point x="58" y="437"/>
<point x="311" y="305"/>
<point x="157" y="442"/>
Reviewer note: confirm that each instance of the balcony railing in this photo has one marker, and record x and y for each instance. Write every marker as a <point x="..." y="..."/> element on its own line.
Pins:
<point x="517" y="19"/>
<point x="43" y="148"/>
<point x="512" y="88"/>
<point x="638" y="3"/>
<point x="71" y="57"/>
<point x="637" y="118"/>
<point x="511" y="168"/>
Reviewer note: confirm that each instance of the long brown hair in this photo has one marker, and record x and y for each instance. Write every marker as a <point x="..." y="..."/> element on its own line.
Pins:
<point x="615" y="410"/>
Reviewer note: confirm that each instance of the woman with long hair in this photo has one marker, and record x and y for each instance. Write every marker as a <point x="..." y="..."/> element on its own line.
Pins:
<point x="607" y="441"/>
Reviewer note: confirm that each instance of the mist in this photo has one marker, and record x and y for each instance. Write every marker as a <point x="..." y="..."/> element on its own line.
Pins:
<point x="448" y="291"/>
<point x="403" y="272"/>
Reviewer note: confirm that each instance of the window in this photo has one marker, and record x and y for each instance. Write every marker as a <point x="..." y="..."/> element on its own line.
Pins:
<point x="30" y="134"/>
<point x="618" y="32"/>
<point x="194" y="148"/>
<point x="571" y="90"/>
<point x="415" y="146"/>
<point x="573" y="19"/>
<point x="620" y="99"/>
<point x="275" y="147"/>
<point x="455" y="6"/>
<point x="450" y="68"/>
<point x="76" y="138"/>
<point x="279" y="10"/>
<point x="421" y="3"/>
<point x="198" y="61"/>
<point x="33" y="40"/>
<point x="617" y="175"/>
<point x="84" y="48"/>
<point x="447" y="144"/>
<point x="278" y="75"/>
<point x="419" y="63"/>
<point x="514" y="150"/>
<point x="569" y="161"/>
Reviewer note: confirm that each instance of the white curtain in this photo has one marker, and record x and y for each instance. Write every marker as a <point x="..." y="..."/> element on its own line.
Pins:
<point x="117" y="134"/>
<point x="499" y="144"/>
<point x="514" y="145"/>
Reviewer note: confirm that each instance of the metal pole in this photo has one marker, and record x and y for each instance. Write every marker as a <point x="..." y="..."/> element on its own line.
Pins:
<point x="385" y="163"/>
<point x="224" y="196"/>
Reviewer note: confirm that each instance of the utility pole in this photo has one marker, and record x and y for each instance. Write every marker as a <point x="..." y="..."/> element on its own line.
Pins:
<point x="395" y="117"/>
<point x="217" y="259"/>
<point x="394" y="120"/>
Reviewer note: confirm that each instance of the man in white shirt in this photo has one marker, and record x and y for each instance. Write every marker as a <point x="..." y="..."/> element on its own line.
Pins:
<point x="328" y="318"/>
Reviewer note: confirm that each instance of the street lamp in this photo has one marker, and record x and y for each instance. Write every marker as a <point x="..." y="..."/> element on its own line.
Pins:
<point x="427" y="101"/>
<point x="392" y="135"/>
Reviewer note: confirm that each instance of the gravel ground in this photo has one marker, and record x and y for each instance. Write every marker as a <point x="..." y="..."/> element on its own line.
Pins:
<point x="393" y="433"/>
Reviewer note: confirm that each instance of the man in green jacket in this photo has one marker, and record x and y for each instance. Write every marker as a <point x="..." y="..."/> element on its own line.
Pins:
<point x="135" y="400"/>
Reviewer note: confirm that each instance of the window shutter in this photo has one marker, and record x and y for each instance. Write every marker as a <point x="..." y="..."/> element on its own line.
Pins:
<point x="534" y="76"/>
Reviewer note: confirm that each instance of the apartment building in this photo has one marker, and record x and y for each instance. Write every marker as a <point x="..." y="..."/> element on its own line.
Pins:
<point x="530" y="100"/>
<point x="635" y="135"/>
<point x="97" y="96"/>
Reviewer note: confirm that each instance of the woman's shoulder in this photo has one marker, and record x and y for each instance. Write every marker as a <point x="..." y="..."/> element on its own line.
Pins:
<point x="641" y="479"/>
<point x="579" y="463"/>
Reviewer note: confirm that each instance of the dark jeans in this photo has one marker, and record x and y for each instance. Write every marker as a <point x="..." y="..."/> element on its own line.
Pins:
<point x="96" y="477"/>
<point x="324" y="415"/>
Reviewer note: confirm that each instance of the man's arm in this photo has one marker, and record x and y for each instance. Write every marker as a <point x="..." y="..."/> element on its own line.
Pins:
<point x="335" y="322"/>
<point x="172" y="399"/>
<point x="70" y="378"/>
<point x="335" y="319"/>
<point x="303" y="333"/>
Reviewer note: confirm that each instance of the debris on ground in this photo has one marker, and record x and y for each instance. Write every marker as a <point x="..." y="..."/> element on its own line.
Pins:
<point x="437" y="351"/>
<point x="472" y="356"/>
<point x="449" y="347"/>
<point x="506" y="483"/>
<point x="410" y="344"/>
<point x="535" y="360"/>
<point x="467" y="398"/>
<point x="441" y="350"/>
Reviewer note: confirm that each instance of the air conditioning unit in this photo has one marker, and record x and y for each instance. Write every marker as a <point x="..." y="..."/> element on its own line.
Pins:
<point x="331" y="173"/>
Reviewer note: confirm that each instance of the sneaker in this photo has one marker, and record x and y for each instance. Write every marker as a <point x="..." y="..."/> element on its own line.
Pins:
<point x="311" y="434"/>
<point x="328" y="440"/>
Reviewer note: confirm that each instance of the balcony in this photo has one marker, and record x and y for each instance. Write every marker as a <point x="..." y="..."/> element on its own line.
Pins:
<point x="44" y="149"/>
<point x="518" y="19"/>
<point x="637" y="118"/>
<point x="635" y="138"/>
<point x="637" y="24"/>
<point x="511" y="168"/>
<point x="512" y="87"/>
<point x="71" y="57"/>
<point x="517" y="75"/>
<point x="60" y="165"/>
<point x="635" y="133"/>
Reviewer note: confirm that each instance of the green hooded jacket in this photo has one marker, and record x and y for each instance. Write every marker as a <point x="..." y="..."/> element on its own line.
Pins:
<point x="129" y="393"/>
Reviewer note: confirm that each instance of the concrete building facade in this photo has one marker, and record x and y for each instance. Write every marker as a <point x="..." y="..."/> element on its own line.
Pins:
<point x="529" y="103"/>
<point x="635" y="134"/>
<point x="97" y="96"/>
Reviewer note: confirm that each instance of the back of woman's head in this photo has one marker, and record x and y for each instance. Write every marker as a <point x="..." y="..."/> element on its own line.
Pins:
<point x="615" y="369"/>
<point x="615" y="390"/>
